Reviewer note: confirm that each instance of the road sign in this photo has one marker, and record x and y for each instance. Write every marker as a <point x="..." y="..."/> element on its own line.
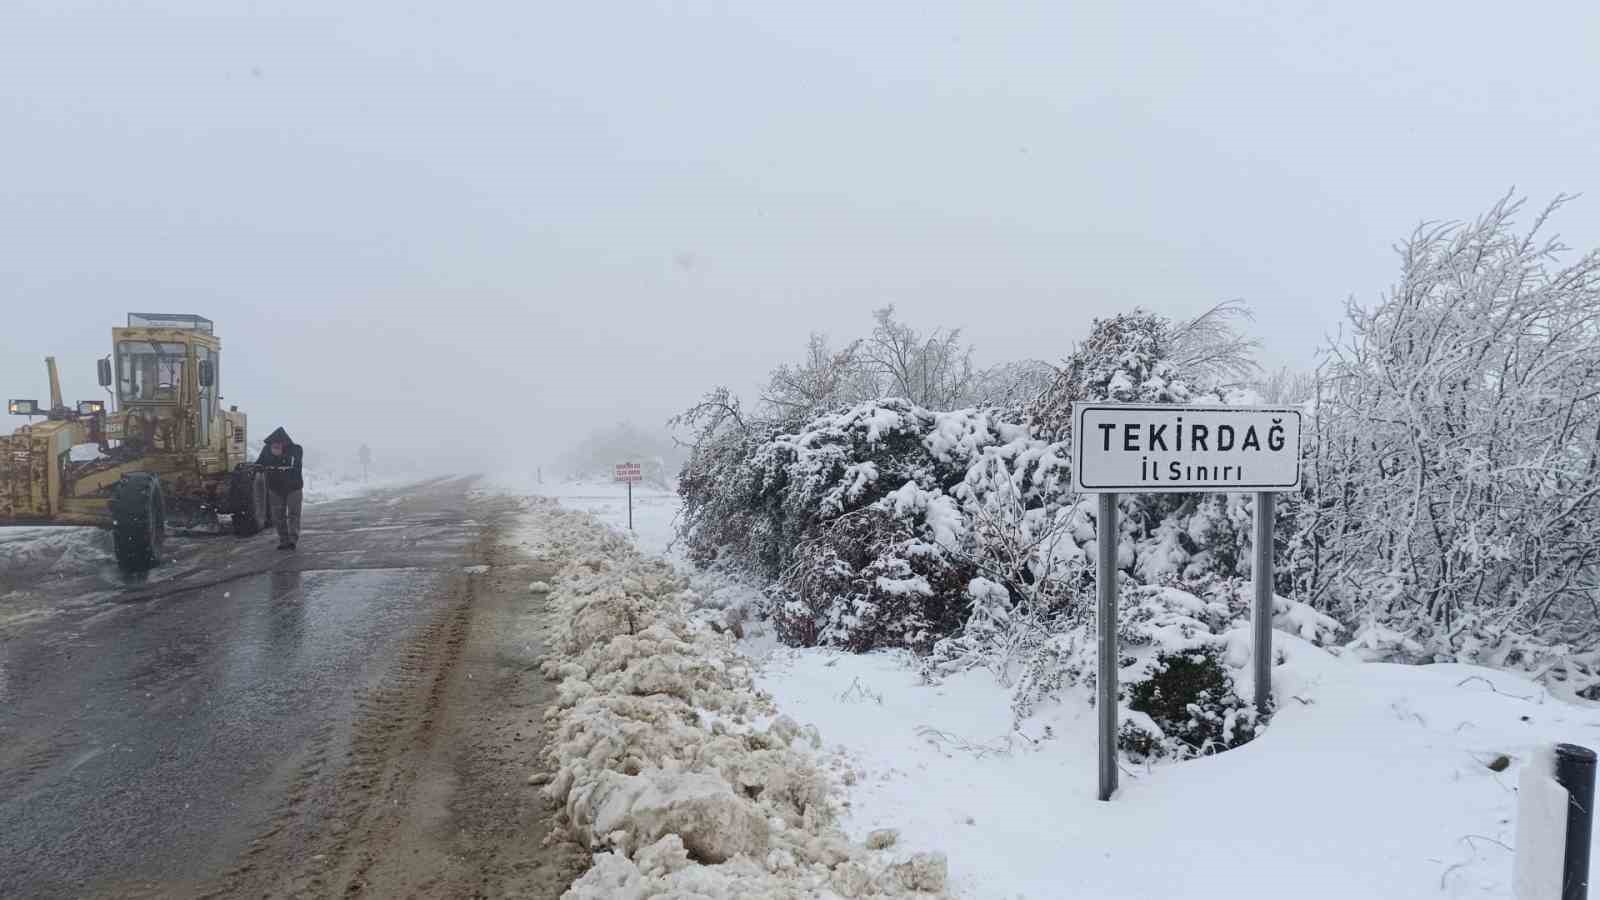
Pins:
<point x="1156" y="448"/>
<point x="1166" y="448"/>
<point x="630" y="474"/>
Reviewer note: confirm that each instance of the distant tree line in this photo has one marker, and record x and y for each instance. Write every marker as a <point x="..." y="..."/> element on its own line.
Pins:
<point x="658" y="455"/>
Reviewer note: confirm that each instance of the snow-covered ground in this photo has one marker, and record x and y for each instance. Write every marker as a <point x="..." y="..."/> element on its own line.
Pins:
<point x="1373" y="781"/>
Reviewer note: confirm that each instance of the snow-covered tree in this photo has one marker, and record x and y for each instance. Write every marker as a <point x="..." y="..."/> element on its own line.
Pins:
<point x="1126" y="358"/>
<point x="720" y="501"/>
<point x="1011" y="387"/>
<point x="1286" y="387"/>
<point x="1212" y="348"/>
<point x="934" y="371"/>
<point x="1454" y="505"/>
<point x="824" y="379"/>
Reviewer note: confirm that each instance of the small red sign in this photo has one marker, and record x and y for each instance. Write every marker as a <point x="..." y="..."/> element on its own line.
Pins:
<point x="629" y="472"/>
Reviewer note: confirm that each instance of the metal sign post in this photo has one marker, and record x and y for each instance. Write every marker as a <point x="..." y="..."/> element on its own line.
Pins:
<point x="1165" y="448"/>
<point x="1261" y="611"/>
<point x="1107" y="656"/>
<point x="628" y="473"/>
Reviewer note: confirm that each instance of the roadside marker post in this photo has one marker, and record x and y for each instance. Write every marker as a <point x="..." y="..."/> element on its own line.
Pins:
<point x="1575" y="768"/>
<point x="1166" y="448"/>
<point x="1555" y="824"/>
<point x="629" y="473"/>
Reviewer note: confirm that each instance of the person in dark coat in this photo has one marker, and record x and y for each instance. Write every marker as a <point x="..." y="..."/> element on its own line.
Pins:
<point x="282" y="456"/>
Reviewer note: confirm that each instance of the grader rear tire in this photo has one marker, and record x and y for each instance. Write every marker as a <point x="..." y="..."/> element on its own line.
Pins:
<point x="138" y="521"/>
<point x="248" y="495"/>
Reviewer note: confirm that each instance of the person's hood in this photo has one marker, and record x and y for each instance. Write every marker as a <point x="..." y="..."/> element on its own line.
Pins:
<point x="278" y="434"/>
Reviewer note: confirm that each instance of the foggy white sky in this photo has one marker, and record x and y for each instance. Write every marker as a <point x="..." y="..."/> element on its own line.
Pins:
<point x="479" y="225"/>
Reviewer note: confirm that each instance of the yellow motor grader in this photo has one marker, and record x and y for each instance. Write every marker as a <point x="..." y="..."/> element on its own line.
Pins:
<point x="164" y="452"/>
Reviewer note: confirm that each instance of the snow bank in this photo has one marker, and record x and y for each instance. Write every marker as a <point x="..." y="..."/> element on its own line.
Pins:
<point x="666" y="761"/>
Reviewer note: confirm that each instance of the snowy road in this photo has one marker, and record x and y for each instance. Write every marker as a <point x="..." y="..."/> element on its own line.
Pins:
<point x="243" y="711"/>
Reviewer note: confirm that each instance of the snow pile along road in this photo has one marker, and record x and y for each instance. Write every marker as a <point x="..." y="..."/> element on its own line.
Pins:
<point x="664" y="758"/>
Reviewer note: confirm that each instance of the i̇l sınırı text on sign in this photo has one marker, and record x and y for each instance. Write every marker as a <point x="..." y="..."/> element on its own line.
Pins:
<point x="1169" y="447"/>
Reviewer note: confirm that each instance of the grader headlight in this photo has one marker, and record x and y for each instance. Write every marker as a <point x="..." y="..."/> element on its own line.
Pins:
<point x="91" y="407"/>
<point x="23" y="407"/>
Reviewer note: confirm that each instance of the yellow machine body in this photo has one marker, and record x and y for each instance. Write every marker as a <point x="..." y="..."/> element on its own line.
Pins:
<point x="168" y="420"/>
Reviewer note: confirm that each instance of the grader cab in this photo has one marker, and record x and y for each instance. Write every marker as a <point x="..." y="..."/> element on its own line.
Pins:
<point x="164" y="451"/>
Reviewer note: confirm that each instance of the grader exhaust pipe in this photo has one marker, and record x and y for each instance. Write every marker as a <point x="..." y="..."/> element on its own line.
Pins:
<point x="55" y="384"/>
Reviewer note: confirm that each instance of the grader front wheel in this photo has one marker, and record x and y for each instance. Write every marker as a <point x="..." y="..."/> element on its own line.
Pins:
<point x="138" y="521"/>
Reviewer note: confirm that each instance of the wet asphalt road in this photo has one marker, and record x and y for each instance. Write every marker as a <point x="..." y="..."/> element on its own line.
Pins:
<point x="147" y="728"/>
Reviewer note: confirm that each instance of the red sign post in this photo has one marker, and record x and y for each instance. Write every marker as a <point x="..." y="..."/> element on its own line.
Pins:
<point x="629" y="473"/>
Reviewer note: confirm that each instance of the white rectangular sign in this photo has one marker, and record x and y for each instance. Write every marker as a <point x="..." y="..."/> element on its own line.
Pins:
<point x="629" y="472"/>
<point x="1159" y="447"/>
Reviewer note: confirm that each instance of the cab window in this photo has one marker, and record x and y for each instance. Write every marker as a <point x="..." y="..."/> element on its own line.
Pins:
<point x="150" y="371"/>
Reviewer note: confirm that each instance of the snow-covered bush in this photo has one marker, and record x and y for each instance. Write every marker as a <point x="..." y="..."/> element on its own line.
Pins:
<point x="866" y="582"/>
<point x="1187" y="702"/>
<point x="753" y="486"/>
<point x="875" y="520"/>
<point x="1185" y="643"/>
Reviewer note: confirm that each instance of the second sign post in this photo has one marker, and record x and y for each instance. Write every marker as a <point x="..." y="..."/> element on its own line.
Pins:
<point x="628" y="473"/>
<point x="1164" y="448"/>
